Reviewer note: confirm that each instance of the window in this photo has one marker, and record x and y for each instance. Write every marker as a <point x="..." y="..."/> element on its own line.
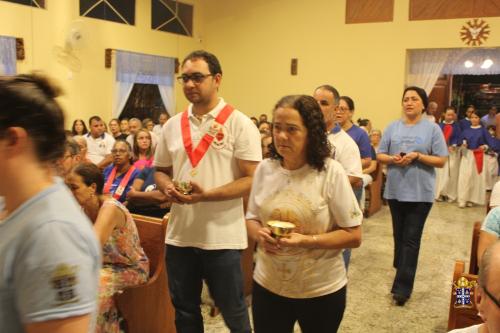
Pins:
<point x="172" y="16"/>
<point x="144" y="102"/>
<point x="120" y="11"/>
<point x="33" y="3"/>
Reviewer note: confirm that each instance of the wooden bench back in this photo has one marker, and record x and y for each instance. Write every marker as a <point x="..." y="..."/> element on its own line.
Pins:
<point x="474" y="265"/>
<point x="375" y="189"/>
<point x="147" y="307"/>
<point x="152" y="235"/>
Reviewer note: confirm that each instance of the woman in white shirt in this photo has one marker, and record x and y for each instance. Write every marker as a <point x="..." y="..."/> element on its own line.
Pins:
<point x="302" y="277"/>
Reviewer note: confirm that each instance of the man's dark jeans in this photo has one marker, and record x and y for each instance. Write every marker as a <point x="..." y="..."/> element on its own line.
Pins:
<point x="221" y="269"/>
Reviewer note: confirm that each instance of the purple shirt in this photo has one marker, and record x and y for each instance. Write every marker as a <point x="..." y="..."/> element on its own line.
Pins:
<point x="476" y="137"/>
<point x="362" y="140"/>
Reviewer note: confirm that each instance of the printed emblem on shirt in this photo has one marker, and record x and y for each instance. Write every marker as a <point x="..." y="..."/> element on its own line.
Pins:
<point x="219" y="134"/>
<point x="150" y="188"/>
<point x="64" y="280"/>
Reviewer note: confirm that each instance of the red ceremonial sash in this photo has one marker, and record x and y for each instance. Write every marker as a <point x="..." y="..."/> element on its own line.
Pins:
<point x="447" y="131"/>
<point x="196" y="155"/>
<point x="123" y="184"/>
<point x="478" y="156"/>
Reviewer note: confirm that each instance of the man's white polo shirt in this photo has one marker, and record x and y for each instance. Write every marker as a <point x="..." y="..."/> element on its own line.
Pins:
<point x="218" y="224"/>
<point x="98" y="148"/>
<point x="346" y="152"/>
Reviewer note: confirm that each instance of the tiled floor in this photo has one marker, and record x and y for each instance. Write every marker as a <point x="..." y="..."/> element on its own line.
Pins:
<point x="447" y="237"/>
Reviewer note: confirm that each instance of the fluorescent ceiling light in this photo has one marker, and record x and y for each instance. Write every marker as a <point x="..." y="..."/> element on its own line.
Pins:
<point x="468" y="64"/>
<point x="487" y="64"/>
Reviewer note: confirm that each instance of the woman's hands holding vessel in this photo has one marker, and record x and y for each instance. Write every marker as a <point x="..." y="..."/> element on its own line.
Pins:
<point x="273" y="245"/>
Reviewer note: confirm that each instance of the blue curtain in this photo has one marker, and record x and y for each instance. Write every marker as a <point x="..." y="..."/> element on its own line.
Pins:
<point x="7" y="55"/>
<point x="147" y="69"/>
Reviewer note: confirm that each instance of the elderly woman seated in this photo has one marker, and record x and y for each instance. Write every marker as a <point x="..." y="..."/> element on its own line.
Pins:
<point x="82" y="143"/>
<point x="119" y="176"/>
<point x="70" y="159"/>
<point x="124" y="261"/>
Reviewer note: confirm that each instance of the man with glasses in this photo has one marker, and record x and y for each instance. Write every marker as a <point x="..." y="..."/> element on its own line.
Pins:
<point x="488" y="293"/>
<point x="205" y="161"/>
<point x="70" y="158"/>
<point x="345" y="151"/>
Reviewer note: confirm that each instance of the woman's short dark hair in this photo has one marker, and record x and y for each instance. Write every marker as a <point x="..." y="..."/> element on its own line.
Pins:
<point x="420" y="92"/>
<point x="85" y="130"/>
<point x="475" y="113"/>
<point x="90" y="174"/>
<point x="349" y="102"/>
<point x="363" y="122"/>
<point x="28" y="101"/>
<point x="211" y="60"/>
<point x="318" y="147"/>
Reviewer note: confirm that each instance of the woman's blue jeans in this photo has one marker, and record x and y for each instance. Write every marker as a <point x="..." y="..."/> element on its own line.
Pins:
<point x="408" y="220"/>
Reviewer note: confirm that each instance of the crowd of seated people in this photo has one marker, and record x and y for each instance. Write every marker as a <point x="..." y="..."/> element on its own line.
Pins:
<point x="118" y="181"/>
<point x="124" y="155"/>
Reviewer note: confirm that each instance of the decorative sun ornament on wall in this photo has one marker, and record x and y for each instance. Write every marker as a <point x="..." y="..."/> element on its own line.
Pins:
<point x="475" y="32"/>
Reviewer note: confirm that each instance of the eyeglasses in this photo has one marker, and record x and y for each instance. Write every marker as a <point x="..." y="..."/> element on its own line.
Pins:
<point x="119" y="151"/>
<point x="197" y="78"/>
<point x="496" y="301"/>
<point x="341" y="110"/>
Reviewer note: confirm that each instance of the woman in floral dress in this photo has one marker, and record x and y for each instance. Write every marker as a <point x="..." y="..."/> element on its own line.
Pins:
<point x="124" y="261"/>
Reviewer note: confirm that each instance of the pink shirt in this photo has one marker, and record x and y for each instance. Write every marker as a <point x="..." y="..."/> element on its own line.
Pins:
<point x="143" y="163"/>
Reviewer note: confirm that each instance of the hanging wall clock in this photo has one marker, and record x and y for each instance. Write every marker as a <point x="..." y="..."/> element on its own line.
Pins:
<point x="475" y="32"/>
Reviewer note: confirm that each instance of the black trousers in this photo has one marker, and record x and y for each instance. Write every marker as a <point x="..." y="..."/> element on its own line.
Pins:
<point x="408" y="220"/>
<point x="277" y="314"/>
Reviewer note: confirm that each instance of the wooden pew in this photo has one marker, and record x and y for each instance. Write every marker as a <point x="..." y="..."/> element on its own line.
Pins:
<point x="462" y="317"/>
<point x="374" y="192"/>
<point x="147" y="307"/>
<point x="474" y="265"/>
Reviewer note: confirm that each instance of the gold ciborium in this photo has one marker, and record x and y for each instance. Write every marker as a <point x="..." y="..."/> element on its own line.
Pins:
<point x="183" y="187"/>
<point x="280" y="228"/>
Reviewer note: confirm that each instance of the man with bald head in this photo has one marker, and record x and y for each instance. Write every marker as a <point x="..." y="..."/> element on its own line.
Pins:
<point x="344" y="148"/>
<point x="134" y="125"/>
<point x="431" y="112"/>
<point x="488" y="293"/>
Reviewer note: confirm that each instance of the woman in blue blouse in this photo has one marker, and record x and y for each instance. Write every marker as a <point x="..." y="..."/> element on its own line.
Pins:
<point x="411" y="147"/>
